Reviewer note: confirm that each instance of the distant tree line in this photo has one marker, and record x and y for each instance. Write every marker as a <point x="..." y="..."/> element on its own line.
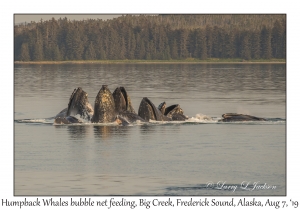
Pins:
<point x="160" y="37"/>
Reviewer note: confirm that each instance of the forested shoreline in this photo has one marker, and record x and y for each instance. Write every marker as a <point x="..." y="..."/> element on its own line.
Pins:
<point x="153" y="37"/>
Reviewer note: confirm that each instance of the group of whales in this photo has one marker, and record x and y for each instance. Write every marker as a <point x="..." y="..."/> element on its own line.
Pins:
<point x="116" y="107"/>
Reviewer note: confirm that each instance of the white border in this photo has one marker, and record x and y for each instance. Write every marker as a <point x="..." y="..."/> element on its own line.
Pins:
<point x="154" y="7"/>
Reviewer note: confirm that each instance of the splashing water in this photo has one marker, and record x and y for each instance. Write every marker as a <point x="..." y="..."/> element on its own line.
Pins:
<point x="197" y="119"/>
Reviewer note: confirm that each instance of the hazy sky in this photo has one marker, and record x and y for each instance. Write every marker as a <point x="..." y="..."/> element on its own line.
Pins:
<point x="20" y="18"/>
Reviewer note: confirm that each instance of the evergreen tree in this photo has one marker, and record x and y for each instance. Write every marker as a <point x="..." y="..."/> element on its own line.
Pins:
<point x="142" y="52"/>
<point x="37" y="52"/>
<point x="138" y="46"/>
<point x="90" y="53"/>
<point x="131" y="45"/>
<point x="112" y="48"/>
<point x="202" y="45"/>
<point x="222" y="43"/>
<point x="215" y="43"/>
<point x="266" y="48"/>
<point x="24" y="52"/>
<point x="102" y="53"/>
<point x="283" y="23"/>
<point x="153" y="37"/>
<point x="193" y="40"/>
<point x="166" y="53"/>
<point x="56" y="55"/>
<point x="174" y="50"/>
<point x="37" y="46"/>
<point x="230" y="45"/>
<point x="77" y="45"/>
<point x="209" y="40"/>
<point x="122" y="49"/>
<point x="245" y="46"/>
<point x="68" y="42"/>
<point x="277" y="40"/>
<point x="255" y="40"/>
<point x="183" y="43"/>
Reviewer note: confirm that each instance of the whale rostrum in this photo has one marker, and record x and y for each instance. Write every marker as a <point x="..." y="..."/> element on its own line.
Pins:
<point x="104" y="109"/>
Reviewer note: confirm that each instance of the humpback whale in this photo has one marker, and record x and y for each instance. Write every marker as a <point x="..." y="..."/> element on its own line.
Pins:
<point x="173" y="112"/>
<point x="123" y="107"/>
<point x="104" y="109"/>
<point x="62" y="113"/>
<point x="117" y="107"/>
<point x="108" y="108"/>
<point x="232" y="117"/>
<point x="148" y="111"/>
<point x="78" y="105"/>
<point x="122" y="100"/>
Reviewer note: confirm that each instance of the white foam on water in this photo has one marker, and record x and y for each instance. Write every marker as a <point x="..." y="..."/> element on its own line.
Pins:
<point x="202" y="118"/>
<point x="197" y="119"/>
<point x="157" y="122"/>
<point x="78" y="117"/>
<point x="104" y="124"/>
<point x="42" y="121"/>
<point x="32" y="120"/>
<point x="138" y="122"/>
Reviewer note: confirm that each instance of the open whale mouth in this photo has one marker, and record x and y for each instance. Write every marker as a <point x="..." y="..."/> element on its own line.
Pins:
<point x="79" y="104"/>
<point x="173" y="112"/>
<point x="148" y="111"/>
<point x="173" y="109"/>
<point x="78" y="107"/>
<point x="124" y="94"/>
<point x="162" y="107"/>
<point x="122" y="100"/>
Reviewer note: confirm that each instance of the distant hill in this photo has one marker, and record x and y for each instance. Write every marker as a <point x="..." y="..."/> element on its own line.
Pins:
<point x="253" y="21"/>
<point x="153" y="37"/>
<point x="22" y="18"/>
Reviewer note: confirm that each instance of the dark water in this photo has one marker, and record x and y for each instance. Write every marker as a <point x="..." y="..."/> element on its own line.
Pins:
<point x="198" y="157"/>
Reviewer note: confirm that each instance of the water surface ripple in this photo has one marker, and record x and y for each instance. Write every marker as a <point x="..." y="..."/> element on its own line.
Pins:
<point x="152" y="158"/>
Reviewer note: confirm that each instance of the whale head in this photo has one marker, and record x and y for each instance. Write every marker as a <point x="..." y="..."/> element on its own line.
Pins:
<point x="79" y="104"/>
<point x="148" y="111"/>
<point x="122" y="100"/>
<point x="104" y="109"/>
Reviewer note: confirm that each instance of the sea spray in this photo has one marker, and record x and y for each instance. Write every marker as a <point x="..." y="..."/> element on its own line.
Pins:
<point x="203" y="117"/>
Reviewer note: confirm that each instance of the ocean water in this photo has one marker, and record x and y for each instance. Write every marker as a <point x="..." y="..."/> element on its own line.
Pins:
<point x="198" y="157"/>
